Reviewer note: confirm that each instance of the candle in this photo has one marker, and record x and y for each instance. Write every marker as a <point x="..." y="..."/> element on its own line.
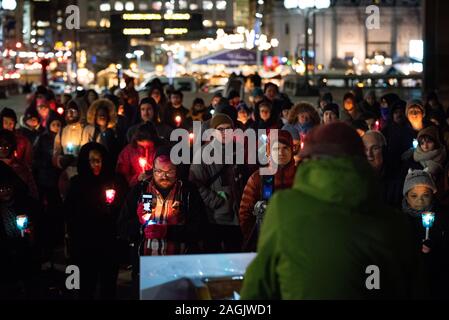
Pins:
<point x="22" y="224"/>
<point x="178" y="120"/>
<point x="428" y="219"/>
<point x="143" y="163"/>
<point x="70" y="148"/>
<point x="110" y="195"/>
<point x="60" y="110"/>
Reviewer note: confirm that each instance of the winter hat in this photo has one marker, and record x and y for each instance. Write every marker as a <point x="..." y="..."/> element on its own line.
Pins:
<point x="8" y="113"/>
<point x="398" y="104"/>
<point x="418" y="178"/>
<point x="242" y="106"/>
<point x="333" y="139"/>
<point x="431" y="132"/>
<point x="163" y="150"/>
<point x="390" y="98"/>
<point x="349" y="95"/>
<point x="30" y="113"/>
<point x="284" y="137"/>
<point x="415" y="103"/>
<point x="220" y="118"/>
<point x="232" y="94"/>
<point x="332" y="107"/>
<point x="327" y="97"/>
<point x="217" y="95"/>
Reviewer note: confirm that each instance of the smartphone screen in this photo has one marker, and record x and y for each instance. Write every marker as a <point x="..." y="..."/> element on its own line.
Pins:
<point x="267" y="187"/>
<point x="147" y="200"/>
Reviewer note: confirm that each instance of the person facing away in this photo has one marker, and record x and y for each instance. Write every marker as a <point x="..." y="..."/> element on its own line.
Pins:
<point x="319" y="238"/>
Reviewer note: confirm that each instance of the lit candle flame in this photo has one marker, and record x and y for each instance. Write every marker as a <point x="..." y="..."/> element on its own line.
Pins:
<point x="110" y="196"/>
<point x="143" y="163"/>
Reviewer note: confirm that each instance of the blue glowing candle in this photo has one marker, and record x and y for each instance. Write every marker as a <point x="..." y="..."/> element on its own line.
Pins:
<point x="428" y="218"/>
<point x="22" y="223"/>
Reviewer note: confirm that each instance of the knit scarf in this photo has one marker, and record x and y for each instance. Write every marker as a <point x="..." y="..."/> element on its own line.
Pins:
<point x="432" y="159"/>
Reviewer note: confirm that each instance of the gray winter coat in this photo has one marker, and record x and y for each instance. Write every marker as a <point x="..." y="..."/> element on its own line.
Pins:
<point x="219" y="210"/>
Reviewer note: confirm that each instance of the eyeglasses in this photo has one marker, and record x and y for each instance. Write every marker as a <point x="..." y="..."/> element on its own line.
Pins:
<point x="169" y="174"/>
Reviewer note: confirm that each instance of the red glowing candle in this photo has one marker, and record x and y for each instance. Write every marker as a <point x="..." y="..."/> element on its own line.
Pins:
<point x="178" y="120"/>
<point x="143" y="163"/>
<point x="302" y="145"/>
<point x="110" y="196"/>
<point x="60" y="110"/>
<point x="191" y="136"/>
<point x="377" y="125"/>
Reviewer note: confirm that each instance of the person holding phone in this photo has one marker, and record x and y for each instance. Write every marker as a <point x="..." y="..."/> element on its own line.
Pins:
<point x="259" y="188"/>
<point x="169" y="211"/>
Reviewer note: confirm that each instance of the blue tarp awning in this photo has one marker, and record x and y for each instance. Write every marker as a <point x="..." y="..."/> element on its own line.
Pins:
<point x="229" y="57"/>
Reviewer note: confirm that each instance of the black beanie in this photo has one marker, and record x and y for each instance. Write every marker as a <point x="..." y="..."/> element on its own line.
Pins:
<point x="30" y="113"/>
<point x="162" y="151"/>
<point x="332" y="107"/>
<point x="8" y="113"/>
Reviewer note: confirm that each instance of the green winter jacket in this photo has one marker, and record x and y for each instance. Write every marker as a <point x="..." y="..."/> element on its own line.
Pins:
<point x="319" y="237"/>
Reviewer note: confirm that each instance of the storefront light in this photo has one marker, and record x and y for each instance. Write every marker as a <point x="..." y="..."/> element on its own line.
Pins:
<point x="142" y="16"/>
<point x="104" y="7"/>
<point x="175" y="31"/>
<point x="118" y="6"/>
<point x="176" y="16"/>
<point x="129" y="6"/>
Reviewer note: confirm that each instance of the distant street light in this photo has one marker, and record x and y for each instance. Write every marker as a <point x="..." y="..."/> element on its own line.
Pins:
<point x="9" y="4"/>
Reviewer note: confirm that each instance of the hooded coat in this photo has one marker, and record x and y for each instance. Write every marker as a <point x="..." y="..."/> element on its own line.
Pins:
<point x="319" y="237"/>
<point x="108" y="138"/>
<point x="92" y="223"/>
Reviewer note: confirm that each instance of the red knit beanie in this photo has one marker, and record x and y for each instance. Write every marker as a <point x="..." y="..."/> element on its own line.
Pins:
<point x="333" y="139"/>
<point x="283" y="137"/>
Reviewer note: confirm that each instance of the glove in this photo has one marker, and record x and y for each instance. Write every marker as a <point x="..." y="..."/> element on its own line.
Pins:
<point x="156" y="231"/>
<point x="142" y="214"/>
<point x="260" y="207"/>
<point x="427" y="245"/>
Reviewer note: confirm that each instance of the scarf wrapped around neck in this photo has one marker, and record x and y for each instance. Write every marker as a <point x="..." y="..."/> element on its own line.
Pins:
<point x="433" y="160"/>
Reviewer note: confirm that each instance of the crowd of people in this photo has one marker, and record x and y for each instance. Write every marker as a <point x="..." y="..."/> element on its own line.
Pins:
<point x="80" y="168"/>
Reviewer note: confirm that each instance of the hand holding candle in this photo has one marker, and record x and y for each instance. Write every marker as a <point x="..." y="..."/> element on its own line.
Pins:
<point x="178" y="120"/>
<point x="428" y="218"/>
<point x="143" y="163"/>
<point x="22" y="224"/>
<point x="110" y="196"/>
<point x="70" y="148"/>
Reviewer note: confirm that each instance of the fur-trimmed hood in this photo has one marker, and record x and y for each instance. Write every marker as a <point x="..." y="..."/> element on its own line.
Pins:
<point x="92" y="111"/>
